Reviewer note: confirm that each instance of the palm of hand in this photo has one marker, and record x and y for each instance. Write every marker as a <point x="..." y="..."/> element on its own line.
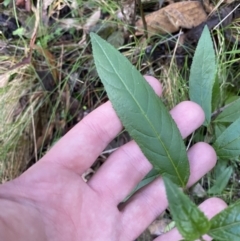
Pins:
<point x="69" y="207"/>
<point x="74" y="210"/>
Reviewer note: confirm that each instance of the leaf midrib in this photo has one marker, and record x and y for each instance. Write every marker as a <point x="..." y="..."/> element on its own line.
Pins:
<point x="223" y="147"/>
<point x="158" y="137"/>
<point x="227" y="226"/>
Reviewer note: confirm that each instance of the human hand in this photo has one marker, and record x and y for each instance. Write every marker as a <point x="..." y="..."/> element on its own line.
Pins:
<point x="60" y="206"/>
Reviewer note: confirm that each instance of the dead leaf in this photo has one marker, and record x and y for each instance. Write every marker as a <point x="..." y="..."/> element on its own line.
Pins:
<point x="208" y="6"/>
<point x="128" y="10"/>
<point x="199" y="191"/>
<point x="87" y="174"/>
<point x="52" y="65"/>
<point x="158" y="227"/>
<point x="173" y="17"/>
<point x="92" y="20"/>
<point x="221" y="18"/>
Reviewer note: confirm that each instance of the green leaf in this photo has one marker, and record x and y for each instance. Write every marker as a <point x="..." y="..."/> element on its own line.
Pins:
<point x="228" y="143"/>
<point x="220" y="167"/>
<point x="226" y="224"/>
<point x="230" y="97"/>
<point x="219" y="129"/>
<point x="221" y="181"/>
<point x="19" y="32"/>
<point x="152" y="175"/>
<point x="202" y="74"/>
<point x="6" y="2"/>
<point x="142" y="112"/>
<point x="216" y="95"/>
<point x="231" y="113"/>
<point x="116" y="39"/>
<point x="190" y="221"/>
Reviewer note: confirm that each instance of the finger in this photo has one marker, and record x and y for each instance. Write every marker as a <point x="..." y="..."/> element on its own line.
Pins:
<point x="189" y="112"/>
<point x="210" y="207"/>
<point x="146" y="205"/>
<point x="80" y="147"/>
<point x="126" y="167"/>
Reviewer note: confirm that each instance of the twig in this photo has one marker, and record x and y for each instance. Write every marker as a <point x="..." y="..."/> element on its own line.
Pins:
<point x="109" y="151"/>
<point x="170" y="38"/>
<point x="171" y="63"/>
<point x="143" y="18"/>
<point x="190" y="141"/>
<point x="226" y="16"/>
<point x="34" y="133"/>
<point x="220" y="110"/>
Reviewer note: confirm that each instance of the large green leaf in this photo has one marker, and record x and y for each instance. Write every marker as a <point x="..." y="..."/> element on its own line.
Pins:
<point x="231" y="113"/>
<point x="226" y="224"/>
<point x="202" y="74"/>
<point x="190" y="221"/>
<point x="227" y="144"/>
<point x="142" y="112"/>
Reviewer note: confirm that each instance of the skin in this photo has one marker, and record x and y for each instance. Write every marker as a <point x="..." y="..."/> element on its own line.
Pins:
<point x="50" y="201"/>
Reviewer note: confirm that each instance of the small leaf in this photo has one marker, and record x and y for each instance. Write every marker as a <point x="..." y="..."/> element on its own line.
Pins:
<point x="219" y="168"/>
<point x="190" y="221"/>
<point x="228" y="143"/>
<point x="19" y="32"/>
<point x="219" y="129"/>
<point x="221" y="181"/>
<point x="142" y="112"/>
<point x="202" y="74"/>
<point x="216" y="95"/>
<point x="152" y="175"/>
<point x="226" y="224"/>
<point x="231" y="113"/>
<point x="6" y="3"/>
<point x="116" y="39"/>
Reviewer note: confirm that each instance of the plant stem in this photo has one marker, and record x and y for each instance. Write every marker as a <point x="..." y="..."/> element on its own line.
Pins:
<point x="143" y="18"/>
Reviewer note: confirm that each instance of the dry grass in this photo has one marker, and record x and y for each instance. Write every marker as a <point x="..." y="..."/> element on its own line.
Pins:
<point x="16" y="131"/>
